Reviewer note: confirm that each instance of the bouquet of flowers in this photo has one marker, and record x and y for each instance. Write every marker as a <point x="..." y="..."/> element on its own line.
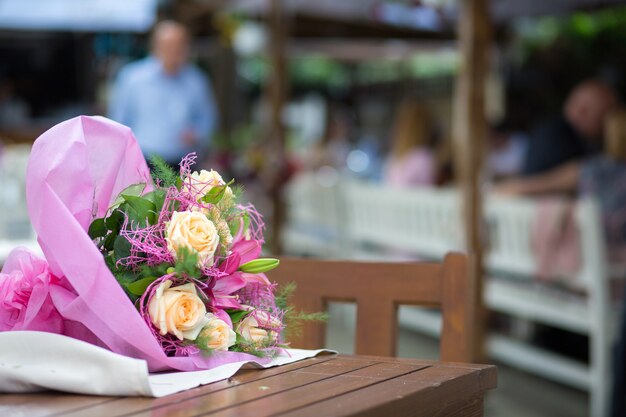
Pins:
<point x="165" y="269"/>
<point x="187" y="254"/>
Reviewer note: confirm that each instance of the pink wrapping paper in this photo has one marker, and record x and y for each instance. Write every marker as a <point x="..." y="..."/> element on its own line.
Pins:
<point x="76" y="169"/>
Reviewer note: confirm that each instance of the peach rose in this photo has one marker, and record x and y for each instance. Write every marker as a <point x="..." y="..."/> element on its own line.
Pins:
<point x="177" y="310"/>
<point x="192" y="229"/>
<point x="259" y="328"/>
<point x="218" y="334"/>
<point x="202" y="182"/>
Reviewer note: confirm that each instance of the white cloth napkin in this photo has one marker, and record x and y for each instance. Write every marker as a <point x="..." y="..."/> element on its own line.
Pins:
<point x="36" y="361"/>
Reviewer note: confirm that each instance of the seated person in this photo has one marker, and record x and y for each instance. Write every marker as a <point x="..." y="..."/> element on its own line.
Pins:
<point x="603" y="175"/>
<point x="411" y="160"/>
<point x="576" y="133"/>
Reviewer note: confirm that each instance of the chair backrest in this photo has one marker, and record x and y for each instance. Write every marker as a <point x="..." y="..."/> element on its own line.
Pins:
<point x="378" y="289"/>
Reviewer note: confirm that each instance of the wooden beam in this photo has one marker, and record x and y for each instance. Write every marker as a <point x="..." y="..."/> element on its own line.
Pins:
<point x="277" y="94"/>
<point x="330" y="27"/>
<point x="470" y="129"/>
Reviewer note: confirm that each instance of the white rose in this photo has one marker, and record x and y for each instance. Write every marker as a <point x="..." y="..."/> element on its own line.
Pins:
<point x="259" y="328"/>
<point x="194" y="231"/>
<point x="218" y="334"/>
<point x="177" y="310"/>
<point x="201" y="183"/>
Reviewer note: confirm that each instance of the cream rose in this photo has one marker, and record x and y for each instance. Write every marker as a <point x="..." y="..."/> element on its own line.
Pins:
<point x="192" y="229"/>
<point x="259" y="328"/>
<point x="202" y="182"/>
<point x="177" y="310"/>
<point x="218" y="334"/>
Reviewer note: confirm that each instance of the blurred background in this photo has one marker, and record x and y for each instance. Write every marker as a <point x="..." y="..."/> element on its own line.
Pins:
<point x="377" y="129"/>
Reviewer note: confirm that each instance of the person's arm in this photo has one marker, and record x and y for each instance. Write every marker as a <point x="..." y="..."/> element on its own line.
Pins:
<point x="561" y="179"/>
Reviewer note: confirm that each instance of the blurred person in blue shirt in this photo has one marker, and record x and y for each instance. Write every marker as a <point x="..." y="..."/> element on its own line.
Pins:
<point x="167" y="102"/>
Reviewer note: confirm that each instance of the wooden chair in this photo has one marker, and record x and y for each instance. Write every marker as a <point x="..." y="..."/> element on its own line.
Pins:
<point x="378" y="289"/>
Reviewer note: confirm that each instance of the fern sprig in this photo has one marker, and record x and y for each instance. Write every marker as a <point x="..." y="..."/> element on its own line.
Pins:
<point x="163" y="173"/>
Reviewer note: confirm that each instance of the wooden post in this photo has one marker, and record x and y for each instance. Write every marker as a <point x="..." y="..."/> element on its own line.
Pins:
<point x="470" y="130"/>
<point x="224" y="86"/>
<point x="277" y="92"/>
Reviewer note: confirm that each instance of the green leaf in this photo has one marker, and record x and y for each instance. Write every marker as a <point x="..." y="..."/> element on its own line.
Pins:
<point x="97" y="229"/>
<point x="109" y="241"/>
<point x="139" y="287"/>
<point x="140" y="204"/>
<point x="240" y="340"/>
<point x="157" y="197"/>
<point x="216" y="193"/>
<point x="259" y="265"/>
<point x="121" y="248"/>
<point x="237" y="315"/>
<point x="134" y="189"/>
<point x="114" y="221"/>
<point x="139" y="209"/>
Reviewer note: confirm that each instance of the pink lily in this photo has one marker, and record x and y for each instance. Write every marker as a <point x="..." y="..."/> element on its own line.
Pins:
<point x="259" y="278"/>
<point x="248" y="250"/>
<point x="225" y="287"/>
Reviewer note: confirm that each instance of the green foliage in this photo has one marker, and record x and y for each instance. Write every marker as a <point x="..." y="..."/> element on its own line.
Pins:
<point x="97" y="229"/>
<point x="186" y="263"/>
<point x="294" y="320"/>
<point x="237" y="315"/>
<point x="133" y="190"/>
<point x="121" y="248"/>
<point x="242" y="345"/>
<point x="140" y="211"/>
<point x="238" y="191"/>
<point x="283" y="294"/>
<point x="162" y="172"/>
<point x="228" y="206"/>
<point x="216" y="193"/>
<point x="139" y="286"/>
<point x="157" y="197"/>
<point x="202" y="343"/>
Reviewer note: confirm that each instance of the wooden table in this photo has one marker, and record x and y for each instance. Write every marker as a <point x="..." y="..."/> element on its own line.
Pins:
<point x="328" y="385"/>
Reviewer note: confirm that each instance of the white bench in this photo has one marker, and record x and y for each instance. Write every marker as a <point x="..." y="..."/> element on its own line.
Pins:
<point x="315" y="217"/>
<point x="383" y="222"/>
<point x="15" y="228"/>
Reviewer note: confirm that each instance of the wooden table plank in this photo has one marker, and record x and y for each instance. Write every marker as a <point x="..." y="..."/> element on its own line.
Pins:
<point x="327" y="385"/>
<point x="235" y="395"/>
<point x="318" y="391"/>
<point x="428" y="392"/>
<point x="128" y="405"/>
<point x="46" y="404"/>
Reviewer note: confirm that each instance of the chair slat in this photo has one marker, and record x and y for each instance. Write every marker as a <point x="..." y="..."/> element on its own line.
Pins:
<point x="378" y="289"/>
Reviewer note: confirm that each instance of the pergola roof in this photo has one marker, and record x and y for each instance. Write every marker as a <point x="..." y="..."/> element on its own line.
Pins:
<point x="379" y="19"/>
<point x="370" y="13"/>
